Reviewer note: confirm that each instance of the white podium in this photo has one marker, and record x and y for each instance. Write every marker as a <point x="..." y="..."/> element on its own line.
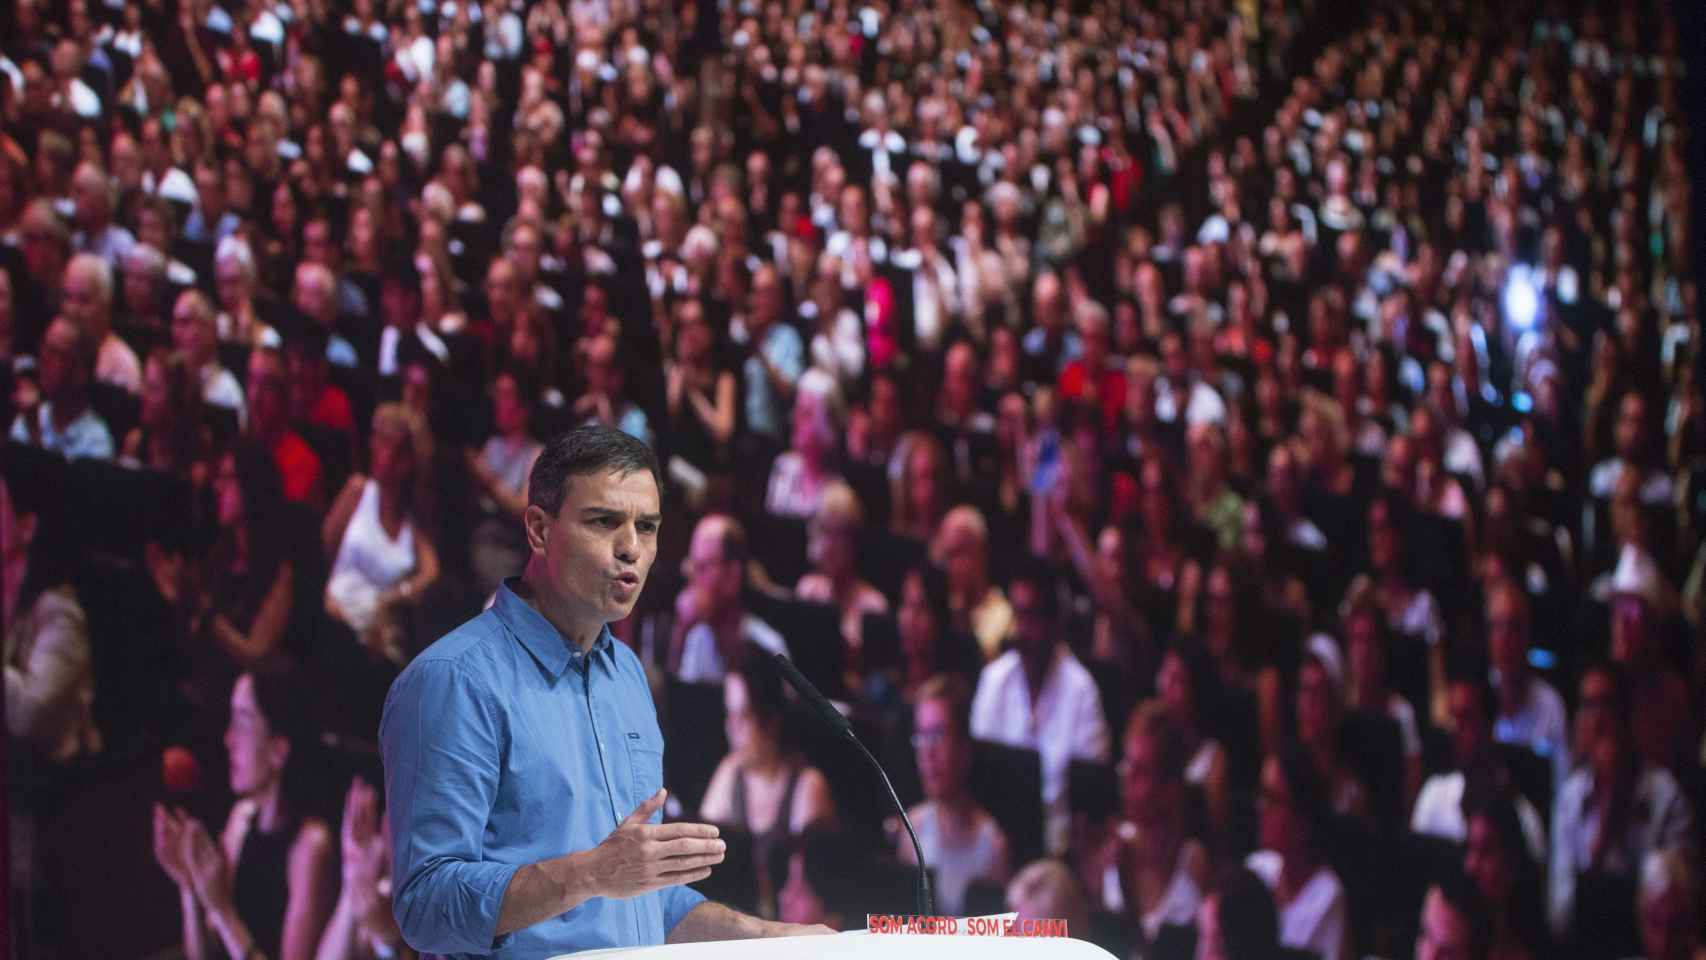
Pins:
<point x="861" y="945"/>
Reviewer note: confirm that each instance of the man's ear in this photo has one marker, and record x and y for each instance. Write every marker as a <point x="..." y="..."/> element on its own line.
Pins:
<point x="538" y="525"/>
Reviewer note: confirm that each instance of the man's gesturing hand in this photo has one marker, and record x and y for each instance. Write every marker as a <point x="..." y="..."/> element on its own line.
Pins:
<point x="639" y="857"/>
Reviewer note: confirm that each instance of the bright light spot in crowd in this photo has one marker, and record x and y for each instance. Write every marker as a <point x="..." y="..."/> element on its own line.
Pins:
<point x="1521" y="300"/>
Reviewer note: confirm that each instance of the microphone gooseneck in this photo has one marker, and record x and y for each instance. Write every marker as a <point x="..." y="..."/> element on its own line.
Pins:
<point x="840" y="724"/>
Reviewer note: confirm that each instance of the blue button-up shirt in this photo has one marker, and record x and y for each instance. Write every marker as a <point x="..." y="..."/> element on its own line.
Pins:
<point x="504" y="747"/>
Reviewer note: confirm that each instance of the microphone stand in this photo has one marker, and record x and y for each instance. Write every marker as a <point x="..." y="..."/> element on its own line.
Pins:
<point x="833" y="717"/>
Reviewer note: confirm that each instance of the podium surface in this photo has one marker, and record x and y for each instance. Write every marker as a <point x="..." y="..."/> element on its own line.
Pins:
<point x="861" y="944"/>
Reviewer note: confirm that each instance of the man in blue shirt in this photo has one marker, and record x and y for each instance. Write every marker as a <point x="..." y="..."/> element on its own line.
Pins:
<point x="523" y="760"/>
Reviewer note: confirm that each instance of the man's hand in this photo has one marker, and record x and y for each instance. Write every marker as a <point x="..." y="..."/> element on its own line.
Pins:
<point x="779" y="929"/>
<point x="639" y="857"/>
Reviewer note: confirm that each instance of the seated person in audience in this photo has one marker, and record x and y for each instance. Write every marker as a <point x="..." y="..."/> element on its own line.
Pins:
<point x="1236" y="920"/>
<point x="920" y="487"/>
<point x="1497" y="857"/>
<point x="500" y="470"/>
<point x="266" y="886"/>
<point x="700" y="388"/>
<point x="88" y="302"/>
<point x="1156" y="871"/>
<point x="238" y="321"/>
<point x="193" y="335"/>
<point x="1319" y="712"/>
<point x="832" y="550"/>
<point x="1475" y="766"/>
<point x="961" y="549"/>
<point x="50" y="671"/>
<point x="1371" y="693"/>
<point x="142" y="291"/>
<point x="1663" y="722"/>
<point x="169" y="437"/>
<point x="713" y="630"/>
<point x="761" y="786"/>
<point x="378" y="534"/>
<point x="362" y="926"/>
<point x="1185" y="686"/>
<point x="605" y="400"/>
<point x="1295" y="811"/>
<point x="62" y="420"/>
<point x="1390" y="584"/>
<point x="962" y="842"/>
<point x="1615" y="808"/>
<point x="1531" y="713"/>
<point x="234" y="604"/>
<point x="1038" y="696"/>
<point x="314" y="399"/>
<point x="802" y="474"/>
<point x="928" y="643"/>
<point x="1453" y="921"/>
<point x="408" y="333"/>
<point x="1667" y="905"/>
<point x="315" y="295"/>
<point x="269" y="426"/>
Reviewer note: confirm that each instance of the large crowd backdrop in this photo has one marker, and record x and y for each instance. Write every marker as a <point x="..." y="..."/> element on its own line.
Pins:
<point x="1241" y="464"/>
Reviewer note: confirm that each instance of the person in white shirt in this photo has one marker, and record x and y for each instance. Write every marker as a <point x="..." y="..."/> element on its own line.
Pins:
<point x="1037" y="695"/>
<point x="1439" y="806"/>
<point x="961" y="841"/>
<point x="93" y="192"/>
<point x="88" y="302"/>
<point x="1308" y="895"/>
<point x="194" y="333"/>
<point x="1614" y="809"/>
<point x="1531" y="713"/>
<point x="712" y="628"/>
<point x="1156" y="871"/>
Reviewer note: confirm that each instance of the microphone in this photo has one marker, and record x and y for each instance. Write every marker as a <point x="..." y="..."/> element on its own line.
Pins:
<point x="843" y="727"/>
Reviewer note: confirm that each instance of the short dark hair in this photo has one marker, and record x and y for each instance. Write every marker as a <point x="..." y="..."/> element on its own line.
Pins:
<point x="583" y="450"/>
<point x="1248" y="921"/>
<point x="1041" y="578"/>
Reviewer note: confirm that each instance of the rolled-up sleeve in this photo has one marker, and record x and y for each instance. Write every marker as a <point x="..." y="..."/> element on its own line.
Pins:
<point x="678" y="902"/>
<point x="442" y="742"/>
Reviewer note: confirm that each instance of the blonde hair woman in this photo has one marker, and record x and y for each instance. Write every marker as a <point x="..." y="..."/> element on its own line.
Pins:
<point x="377" y="532"/>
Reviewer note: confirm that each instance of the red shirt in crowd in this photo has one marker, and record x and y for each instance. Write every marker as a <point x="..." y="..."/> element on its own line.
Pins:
<point x="298" y="467"/>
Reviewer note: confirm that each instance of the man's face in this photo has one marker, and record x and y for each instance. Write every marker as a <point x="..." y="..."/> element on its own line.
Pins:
<point x="1445" y="933"/>
<point x="1631" y="425"/>
<point x="82" y="302"/>
<point x="1469" y="723"/>
<point x="1598" y="725"/>
<point x="599" y="547"/>
<point x="1507" y="633"/>
<point x="709" y="569"/>
<point x="59" y="364"/>
<point x="191" y="334"/>
<point x="1031" y="626"/>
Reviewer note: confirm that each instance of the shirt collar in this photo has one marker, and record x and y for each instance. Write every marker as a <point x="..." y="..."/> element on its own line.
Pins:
<point x="539" y="636"/>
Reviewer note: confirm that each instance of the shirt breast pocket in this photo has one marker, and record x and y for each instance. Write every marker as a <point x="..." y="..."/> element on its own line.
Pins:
<point x="645" y="762"/>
